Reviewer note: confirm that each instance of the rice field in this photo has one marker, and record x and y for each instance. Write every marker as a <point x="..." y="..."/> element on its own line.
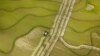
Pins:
<point x="23" y="22"/>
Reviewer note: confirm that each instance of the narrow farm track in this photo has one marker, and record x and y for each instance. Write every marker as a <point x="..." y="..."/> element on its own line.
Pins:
<point x="57" y="30"/>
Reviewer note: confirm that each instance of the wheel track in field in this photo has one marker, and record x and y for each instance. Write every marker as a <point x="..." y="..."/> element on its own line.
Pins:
<point x="53" y="39"/>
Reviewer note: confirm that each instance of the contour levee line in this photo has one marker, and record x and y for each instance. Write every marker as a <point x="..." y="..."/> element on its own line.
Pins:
<point x="63" y="25"/>
<point x="78" y="47"/>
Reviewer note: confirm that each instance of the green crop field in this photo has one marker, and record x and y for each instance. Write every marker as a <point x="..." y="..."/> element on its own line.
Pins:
<point x="23" y="22"/>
